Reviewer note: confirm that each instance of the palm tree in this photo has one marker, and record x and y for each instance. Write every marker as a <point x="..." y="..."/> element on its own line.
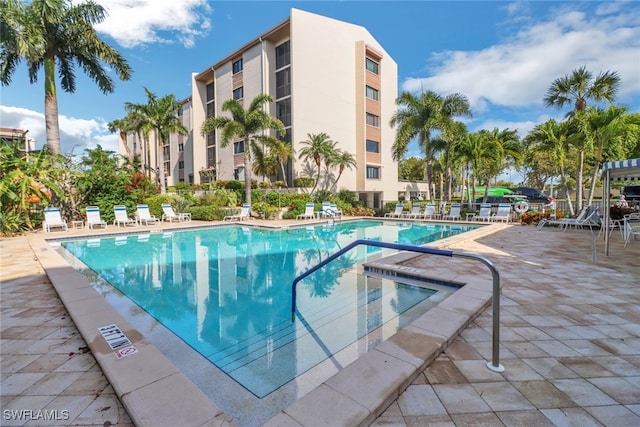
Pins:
<point x="161" y="116"/>
<point x="281" y="151"/>
<point x="248" y="125"/>
<point x="263" y="163"/>
<point x="419" y="117"/>
<point x="46" y="33"/>
<point x="577" y="88"/>
<point x="344" y="160"/>
<point x="318" y="147"/>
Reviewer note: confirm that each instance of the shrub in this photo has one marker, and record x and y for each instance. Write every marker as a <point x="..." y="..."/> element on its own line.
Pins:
<point x="219" y="198"/>
<point x="207" y="213"/>
<point x="264" y="184"/>
<point x="11" y="223"/>
<point x="264" y="209"/>
<point x="360" y="211"/>
<point x="233" y="185"/>
<point x="303" y="181"/>
<point x="281" y="184"/>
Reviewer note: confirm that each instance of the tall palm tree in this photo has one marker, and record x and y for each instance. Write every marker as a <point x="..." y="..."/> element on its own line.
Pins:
<point x="246" y="124"/>
<point x="344" y="160"/>
<point x="263" y="163"/>
<point x="419" y="117"/>
<point x="577" y="88"/>
<point x="54" y="34"/>
<point x="317" y="148"/>
<point x="161" y="116"/>
<point x="281" y="151"/>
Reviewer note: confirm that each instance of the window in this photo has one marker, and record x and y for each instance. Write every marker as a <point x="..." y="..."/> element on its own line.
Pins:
<point x="211" y="157"/>
<point x="237" y="66"/>
<point x="211" y="107"/>
<point x="283" y="83"/>
<point x="180" y="147"/>
<point x="238" y="147"/>
<point x="372" y="66"/>
<point x="283" y="111"/>
<point x="373" y="172"/>
<point x="210" y="92"/>
<point x="180" y="112"/>
<point x="181" y="164"/>
<point x="238" y="174"/>
<point x="373" y="120"/>
<point x="373" y="146"/>
<point x="373" y="93"/>
<point x="283" y="57"/>
<point x="238" y="93"/>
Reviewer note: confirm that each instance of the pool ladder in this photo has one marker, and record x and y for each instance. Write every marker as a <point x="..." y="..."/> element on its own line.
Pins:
<point x="494" y="365"/>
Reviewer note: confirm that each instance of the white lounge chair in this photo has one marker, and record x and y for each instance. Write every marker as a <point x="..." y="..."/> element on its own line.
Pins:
<point x="483" y="215"/>
<point x="430" y="211"/>
<point x="308" y="212"/>
<point x="121" y="217"/>
<point x="565" y="222"/>
<point x="454" y="213"/>
<point x="631" y="228"/>
<point x="396" y="213"/>
<point x="93" y="218"/>
<point x="53" y="219"/>
<point x="245" y="212"/>
<point x="143" y="215"/>
<point x="503" y="214"/>
<point x="591" y="219"/>
<point x="169" y="214"/>
<point x="414" y="213"/>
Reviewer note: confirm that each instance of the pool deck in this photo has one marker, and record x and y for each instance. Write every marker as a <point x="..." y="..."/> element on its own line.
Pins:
<point x="570" y="345"/>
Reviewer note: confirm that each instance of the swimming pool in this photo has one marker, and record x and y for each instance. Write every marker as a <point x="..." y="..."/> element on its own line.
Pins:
<point x="225" y="291"/>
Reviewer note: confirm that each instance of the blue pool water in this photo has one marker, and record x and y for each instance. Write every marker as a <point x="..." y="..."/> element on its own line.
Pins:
<point x="226" y="291"/>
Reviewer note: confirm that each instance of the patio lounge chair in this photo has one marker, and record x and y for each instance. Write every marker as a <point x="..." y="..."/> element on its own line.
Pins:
<point x="245" y="212"/>
<point x="53" y="219"/>
<point x="122" y="218"/>
<point x="430" y="211"/>
<point x="454" y="213"/>
<point x="397" y="213"/>
<point x="591" y="219"/>
<point x="503" y="213"/>
<point x="308" y="212"/>
<point x="169" y="214"/>
<point x="143" y="215"/>
<point x="483" y="215"/>
<point x="564" y="222"/>
<point x="414" y="213"/>
<point x="93" y="218"/>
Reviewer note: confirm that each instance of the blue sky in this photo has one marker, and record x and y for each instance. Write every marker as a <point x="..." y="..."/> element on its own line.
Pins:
<point x="502" y="55"/>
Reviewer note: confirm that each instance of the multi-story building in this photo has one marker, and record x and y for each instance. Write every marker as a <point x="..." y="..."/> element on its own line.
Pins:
<point x="18" y="136"/>
<point x="325" y="76"/>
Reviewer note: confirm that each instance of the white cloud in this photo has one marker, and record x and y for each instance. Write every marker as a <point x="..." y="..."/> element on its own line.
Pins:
<point x="76" y="135"/>
<point x="517" y="72"/>
<point x="142" y="22"/>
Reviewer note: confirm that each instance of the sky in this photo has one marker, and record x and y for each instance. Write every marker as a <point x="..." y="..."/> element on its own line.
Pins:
<point x="502" y="55"/>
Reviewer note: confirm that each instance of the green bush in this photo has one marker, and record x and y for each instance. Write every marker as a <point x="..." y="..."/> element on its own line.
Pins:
<point x="207" y="213"/>
<point x="219" y="198"/>
<point x="233" y="185"/>
<point x="11" y="223"/>
<point x="303" y="182"/>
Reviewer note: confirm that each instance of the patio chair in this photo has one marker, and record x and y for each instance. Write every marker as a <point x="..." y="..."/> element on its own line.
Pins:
<point x="591" y="219"/>
<point x="396" y="213"/>
<point x="169" y="214"/>
<point x="503" y="213"/>
<point x="560" y="222"/>
<point x="414" y="213"/>
<point x="53" y="219"/>
<point x="245" y="212"/>
<point x="454" y="213"/>
<point x="308" y="212"/>
<point x="483" y="215"/>
<point x="143" y="215"/>
<point x="430" y="211"/>
<point x="93" y="218"/>
<point x="631" y="227"/>
<point x="121" y="217"/>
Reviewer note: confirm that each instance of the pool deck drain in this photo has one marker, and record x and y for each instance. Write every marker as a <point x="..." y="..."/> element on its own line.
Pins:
<point x="348" y="397"/>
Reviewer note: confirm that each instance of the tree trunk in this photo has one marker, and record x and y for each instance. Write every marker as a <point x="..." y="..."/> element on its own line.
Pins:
<point x="579" y="192"/>
<point x="51" y="106"/>
<point x="160" y="157"/>
<point x="247" y="176"/>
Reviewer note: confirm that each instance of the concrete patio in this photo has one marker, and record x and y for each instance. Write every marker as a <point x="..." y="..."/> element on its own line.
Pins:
<point x="570" y="346"/>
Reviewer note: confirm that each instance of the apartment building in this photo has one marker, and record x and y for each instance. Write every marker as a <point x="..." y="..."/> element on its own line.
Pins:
<point x="325" y="76"/>
<point x="18" y="136"/>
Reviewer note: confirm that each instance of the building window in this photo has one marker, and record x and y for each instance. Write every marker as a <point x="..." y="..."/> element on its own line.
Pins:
<point x="210" y="92"/>
<point x="237" y="66"/>
<point x="373" y="146"/>
<point x="180" y="112"/>
<point x="283" y="83"/>
<point x="372" y="66"/>
<point x="283" y="111"/>
<point x="373" y="172"/>
<point x="180" y="147"/>
<point x="373" y="120"/>
<point x="211" y="109"/>
<point x="373" y="93"/>
<point x="238" y="174"/>
<point x="181" y="164"/>
<point x="238" y="147"/>
<point x="283" y="57"/>
<point x="238" y="93"/>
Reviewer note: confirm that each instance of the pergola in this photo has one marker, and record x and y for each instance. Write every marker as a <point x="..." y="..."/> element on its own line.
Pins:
<point x="622" y="170"/>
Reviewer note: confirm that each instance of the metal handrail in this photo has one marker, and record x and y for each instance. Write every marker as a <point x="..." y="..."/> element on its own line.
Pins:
<point x="494" y="365"/>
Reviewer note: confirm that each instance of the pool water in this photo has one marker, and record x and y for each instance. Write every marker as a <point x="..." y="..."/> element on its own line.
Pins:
<point x="226" y="291"/>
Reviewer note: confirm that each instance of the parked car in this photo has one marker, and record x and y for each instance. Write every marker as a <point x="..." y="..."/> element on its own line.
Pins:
<point x="533" y="195"/>
<point x="632" y="194"/>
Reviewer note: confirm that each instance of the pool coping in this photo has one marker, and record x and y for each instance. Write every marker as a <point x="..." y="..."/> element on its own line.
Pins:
<point x="149" y="385"/>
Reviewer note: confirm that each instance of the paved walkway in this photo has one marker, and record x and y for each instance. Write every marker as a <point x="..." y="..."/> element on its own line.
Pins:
<point x="570" y="344"/>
